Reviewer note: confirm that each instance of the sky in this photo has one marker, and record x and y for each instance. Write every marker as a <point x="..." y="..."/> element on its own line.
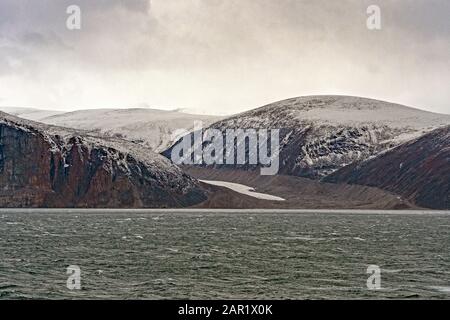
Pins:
<point x="221" y="56"/>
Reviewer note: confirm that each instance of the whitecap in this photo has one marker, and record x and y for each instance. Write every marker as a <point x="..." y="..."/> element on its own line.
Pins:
<point x="305" y="238"/>
<point x="441" y="289"/>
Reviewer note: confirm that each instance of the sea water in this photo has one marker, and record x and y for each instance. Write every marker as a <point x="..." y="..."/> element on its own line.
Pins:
<point x="223" y="254"/>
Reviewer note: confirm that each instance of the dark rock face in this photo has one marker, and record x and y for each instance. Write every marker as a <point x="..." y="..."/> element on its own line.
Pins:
<point x="41" y="169"/>
<point x="418" y="170"/>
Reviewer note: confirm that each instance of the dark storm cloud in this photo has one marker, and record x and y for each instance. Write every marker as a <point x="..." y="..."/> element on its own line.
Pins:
<point x="222" y="54"/>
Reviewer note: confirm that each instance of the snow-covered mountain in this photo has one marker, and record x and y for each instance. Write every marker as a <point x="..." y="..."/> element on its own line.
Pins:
<point x="30" y="113"/>
<point x="149" y="127"/>
<point x="321" y="134"/>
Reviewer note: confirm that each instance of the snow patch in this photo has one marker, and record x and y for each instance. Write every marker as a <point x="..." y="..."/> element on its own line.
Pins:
<point x="240" y="188"/>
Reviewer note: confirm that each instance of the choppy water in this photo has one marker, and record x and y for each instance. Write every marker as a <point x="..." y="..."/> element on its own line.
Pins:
<point x="137" y="255"/>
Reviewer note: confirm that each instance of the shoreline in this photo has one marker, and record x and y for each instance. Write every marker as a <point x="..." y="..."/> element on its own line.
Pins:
<point x="221" y="211"/>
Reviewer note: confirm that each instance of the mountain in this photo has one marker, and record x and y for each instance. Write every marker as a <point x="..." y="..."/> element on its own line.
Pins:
<point x="49" y="166"/>
<point x="149" y="127"/>
<point x="321" y="134"/>
<point x="335" y="152"/>
<point x="418" y="170"/>
<point x="30" y="113"/>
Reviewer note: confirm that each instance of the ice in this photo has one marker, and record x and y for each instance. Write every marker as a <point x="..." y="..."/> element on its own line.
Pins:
<point x="240" y="188"/>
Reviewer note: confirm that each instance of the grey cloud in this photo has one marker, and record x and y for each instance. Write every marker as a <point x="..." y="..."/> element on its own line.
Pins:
<point x="189" y="52"/>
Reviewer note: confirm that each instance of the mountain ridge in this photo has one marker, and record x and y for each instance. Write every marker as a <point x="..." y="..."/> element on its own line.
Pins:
<point x="321" y="138"/>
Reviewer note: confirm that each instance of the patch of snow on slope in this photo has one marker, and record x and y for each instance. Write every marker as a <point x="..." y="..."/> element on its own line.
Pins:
<point x="240" y="188"/>
<point x="148" y="127"/>
<point x="351" y="111"/>
<point x="30" y="113"/>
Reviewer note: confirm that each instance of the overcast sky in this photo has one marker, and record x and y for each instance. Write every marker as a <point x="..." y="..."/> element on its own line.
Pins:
<point x="221" y="56"/>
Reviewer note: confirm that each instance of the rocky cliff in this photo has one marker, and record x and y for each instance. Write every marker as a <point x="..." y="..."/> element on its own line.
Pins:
<point x="46" y="166"/>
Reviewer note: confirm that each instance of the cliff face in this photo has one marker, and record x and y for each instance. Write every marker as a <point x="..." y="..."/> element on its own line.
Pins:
<point x="419" y="171"/>
<point x="53" y="167"/>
